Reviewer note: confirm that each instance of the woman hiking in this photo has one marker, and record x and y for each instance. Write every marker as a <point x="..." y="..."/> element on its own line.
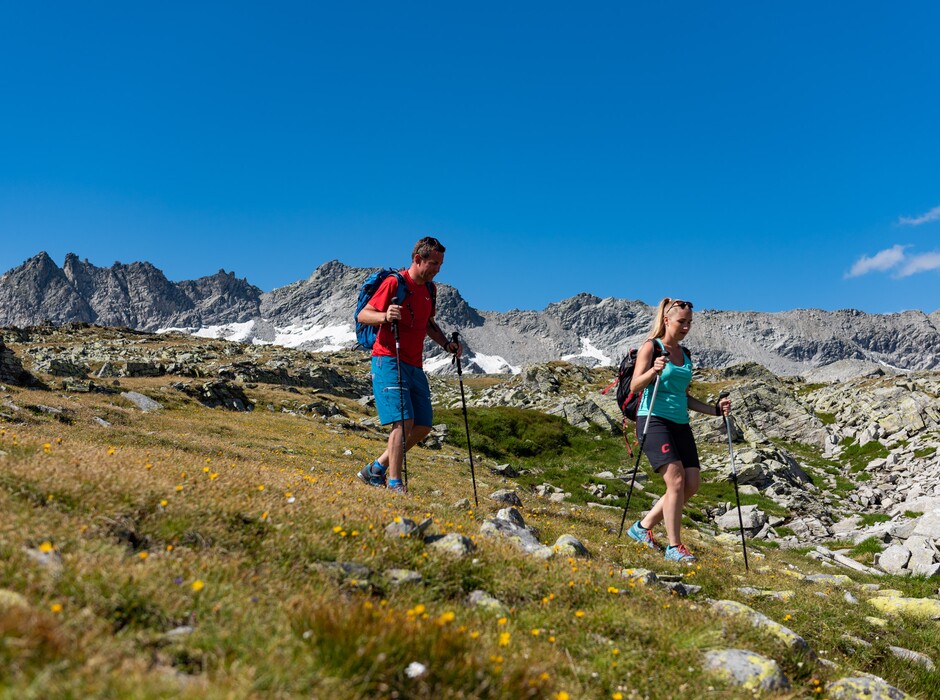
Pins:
<point x="669" y="446"/>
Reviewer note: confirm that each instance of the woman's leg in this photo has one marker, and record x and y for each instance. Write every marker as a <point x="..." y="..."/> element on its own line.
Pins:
<point x="668" y="509"/>
<point x="693" y="480"/>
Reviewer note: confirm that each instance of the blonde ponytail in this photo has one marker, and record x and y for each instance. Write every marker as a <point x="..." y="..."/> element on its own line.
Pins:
<point x="658" y="329"/>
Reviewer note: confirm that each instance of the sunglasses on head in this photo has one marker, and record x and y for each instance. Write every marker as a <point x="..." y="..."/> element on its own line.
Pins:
<point x="681" y="304"/>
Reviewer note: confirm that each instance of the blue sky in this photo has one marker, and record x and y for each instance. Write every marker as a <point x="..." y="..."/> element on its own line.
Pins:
<point x="751" y="156"/>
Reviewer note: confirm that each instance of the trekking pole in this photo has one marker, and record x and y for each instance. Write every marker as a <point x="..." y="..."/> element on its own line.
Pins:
<point x="639" y="453"/>
<point x="734" y="478"/>
<point x="401" y="396"/>
<point x="466" y="420"/>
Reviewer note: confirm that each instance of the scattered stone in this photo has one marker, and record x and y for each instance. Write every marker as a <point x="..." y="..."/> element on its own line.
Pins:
<point x="400" y="577"/>
<point x="746" y="669"/>
<point x="484" y="601"/>
<point x="570" y="546"/>
<point x="681" y="589"/>
<point x="894" y="559"/>
<point x="506" y="496"/>
<point x="644" y="576"/>
<point x="505" y="470"/>
<point x="864" y="688"/>
<point x="509" y="525"/>
<point x="790" y="638"/>
<point x="453" y="544"/>
<point x="144" y="403"/>
<point x="856" y="641"/>
<point x="219" y="393"/>
<point x="753" y="518"/>
<point x="830" y="579"/>
<point x="913" y="656"/>
<point x="750" y="592"/>
<point x="462" y="504"/>
<point x="406" y="527"/>
<point x="349" y="573"/>
<point x="400" y="528"/>
<point x="101" y="421"/>
<point x="927" y="608"/>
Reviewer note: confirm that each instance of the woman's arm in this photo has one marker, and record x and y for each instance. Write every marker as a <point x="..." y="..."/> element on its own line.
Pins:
<point x="721" y="408"/>
<point x="646" y="367"/>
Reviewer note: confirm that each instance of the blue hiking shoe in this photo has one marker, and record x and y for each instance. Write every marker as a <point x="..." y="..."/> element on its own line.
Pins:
<point x="679" y="553"/>
<point x="643" y="536"/>
<point x="397" y="487"/>
<point x="372" y="475"/>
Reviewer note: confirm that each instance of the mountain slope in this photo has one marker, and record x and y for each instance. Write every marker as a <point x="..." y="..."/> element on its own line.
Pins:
<point x="316" y="314"/>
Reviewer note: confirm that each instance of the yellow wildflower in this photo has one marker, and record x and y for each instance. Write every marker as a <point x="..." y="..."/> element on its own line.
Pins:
<point x="446" y="617"/>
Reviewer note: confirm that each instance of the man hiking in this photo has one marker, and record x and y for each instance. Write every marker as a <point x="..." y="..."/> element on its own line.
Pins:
<point x="402" y="393"/>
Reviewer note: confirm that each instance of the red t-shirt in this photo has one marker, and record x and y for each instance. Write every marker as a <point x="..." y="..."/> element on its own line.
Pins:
<point x="413" y="326"/>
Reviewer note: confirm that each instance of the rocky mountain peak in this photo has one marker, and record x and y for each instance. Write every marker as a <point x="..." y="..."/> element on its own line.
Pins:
<point x="317" y="313"/>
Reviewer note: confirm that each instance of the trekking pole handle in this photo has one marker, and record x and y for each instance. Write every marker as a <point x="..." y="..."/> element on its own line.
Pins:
<point x="456" y="358"/>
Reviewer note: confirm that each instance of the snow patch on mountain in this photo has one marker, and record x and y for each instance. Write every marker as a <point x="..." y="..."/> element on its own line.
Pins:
<point x="471" y="363"/>
<point x="590" y="351"/>
<point x="317" y="337"/>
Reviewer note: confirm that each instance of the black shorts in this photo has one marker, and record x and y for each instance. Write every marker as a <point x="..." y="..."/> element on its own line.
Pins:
<point x="668" y="442"/>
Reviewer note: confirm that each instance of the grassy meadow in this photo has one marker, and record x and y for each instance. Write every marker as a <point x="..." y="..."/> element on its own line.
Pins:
<point x="191" y="552"/>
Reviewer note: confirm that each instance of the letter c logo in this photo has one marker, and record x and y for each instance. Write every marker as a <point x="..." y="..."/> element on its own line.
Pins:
<point x="665" y="449"/>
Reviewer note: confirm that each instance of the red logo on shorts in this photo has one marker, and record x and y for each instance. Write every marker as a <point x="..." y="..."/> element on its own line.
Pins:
<point x="666" y="449"/>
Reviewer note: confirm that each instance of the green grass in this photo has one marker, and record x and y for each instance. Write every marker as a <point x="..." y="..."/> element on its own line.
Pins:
<point x="869" y="519"/>
<point x="231" y="532"/>
<point x="503" y="433"/>
<point x="545" y="448"/>
<point x="866" y="550"/>
<point x="858" y="456"/>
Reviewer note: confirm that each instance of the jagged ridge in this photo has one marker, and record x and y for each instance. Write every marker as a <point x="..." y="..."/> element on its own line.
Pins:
<point x="315" y="314"/>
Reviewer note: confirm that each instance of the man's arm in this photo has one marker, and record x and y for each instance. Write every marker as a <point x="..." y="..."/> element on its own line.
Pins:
<point x="437" y="335"/>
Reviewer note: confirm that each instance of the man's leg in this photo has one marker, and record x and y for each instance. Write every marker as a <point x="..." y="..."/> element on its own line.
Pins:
<point x="392" y="457"/>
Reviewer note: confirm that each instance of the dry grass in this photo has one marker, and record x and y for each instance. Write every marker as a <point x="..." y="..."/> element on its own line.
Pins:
<point x="190" y="552"/>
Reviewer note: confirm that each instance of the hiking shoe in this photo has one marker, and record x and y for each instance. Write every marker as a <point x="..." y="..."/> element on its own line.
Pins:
<point x="397" y="488"/>
<point x="368" y="476"/>
<point x="643" y="536"/>
<point x="679" y="553"/>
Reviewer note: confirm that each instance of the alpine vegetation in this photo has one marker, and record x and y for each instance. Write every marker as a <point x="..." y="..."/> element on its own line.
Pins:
<point x="182" y="519"/>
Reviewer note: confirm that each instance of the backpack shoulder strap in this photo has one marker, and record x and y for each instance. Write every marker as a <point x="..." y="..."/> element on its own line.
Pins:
<point x="401" y="291"/>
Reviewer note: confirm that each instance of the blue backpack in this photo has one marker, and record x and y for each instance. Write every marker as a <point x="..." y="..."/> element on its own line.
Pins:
<point x="366" y="334"/>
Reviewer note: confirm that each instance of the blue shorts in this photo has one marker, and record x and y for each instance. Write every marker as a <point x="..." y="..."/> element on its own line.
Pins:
<point x="388" y="399"/>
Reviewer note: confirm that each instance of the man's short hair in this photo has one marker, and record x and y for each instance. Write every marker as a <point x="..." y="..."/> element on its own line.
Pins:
<point x="426" y="246"/>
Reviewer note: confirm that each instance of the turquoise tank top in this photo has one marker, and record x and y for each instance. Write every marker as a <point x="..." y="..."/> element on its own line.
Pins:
<point x="672" y="401"/>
